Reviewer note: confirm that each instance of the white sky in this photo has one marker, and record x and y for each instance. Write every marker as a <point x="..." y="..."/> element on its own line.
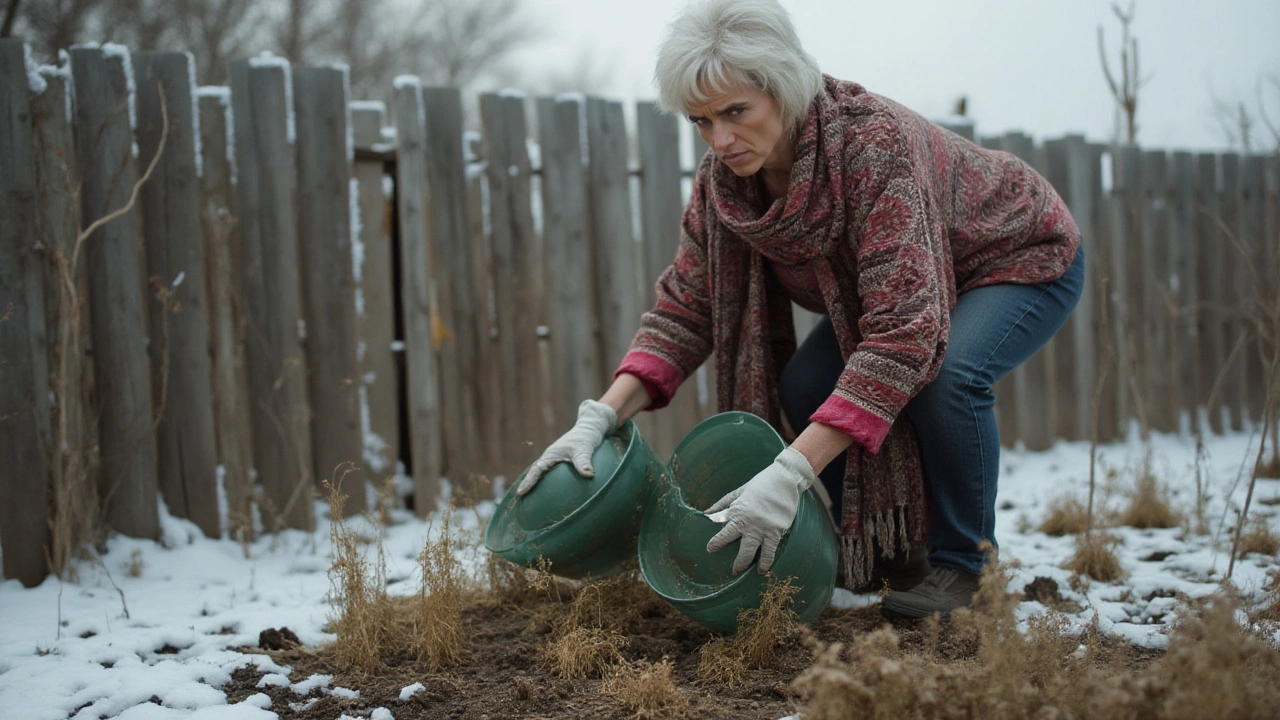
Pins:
<point x="1029" y="65"/>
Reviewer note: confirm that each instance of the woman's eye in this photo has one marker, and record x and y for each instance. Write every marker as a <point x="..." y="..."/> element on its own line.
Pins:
<point x="737" y="111"/>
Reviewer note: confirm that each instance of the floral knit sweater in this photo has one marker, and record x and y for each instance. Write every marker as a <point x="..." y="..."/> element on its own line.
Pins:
<point x="892" y="217"/>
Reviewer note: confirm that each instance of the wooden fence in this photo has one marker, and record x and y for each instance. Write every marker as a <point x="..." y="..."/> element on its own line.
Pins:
<point x="309" y="288"/>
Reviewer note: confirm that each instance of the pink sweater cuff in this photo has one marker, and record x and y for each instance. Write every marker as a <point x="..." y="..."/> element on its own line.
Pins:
<point x="866" y="429"/>
<point x="659" y="377"/>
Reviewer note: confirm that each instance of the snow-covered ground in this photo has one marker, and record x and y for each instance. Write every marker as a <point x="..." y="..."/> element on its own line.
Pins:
<point x="157" y="619"/>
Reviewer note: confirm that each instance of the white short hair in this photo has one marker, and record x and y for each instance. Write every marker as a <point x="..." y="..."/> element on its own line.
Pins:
<point x="715" y="43"/>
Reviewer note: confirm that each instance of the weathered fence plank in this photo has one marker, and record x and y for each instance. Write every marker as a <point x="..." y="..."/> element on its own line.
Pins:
<point x="451" y="253"/>
<point x="24" y="441"/>
<point x="223" y="258"/>
<point x="324" y="156"/>
<point x="1211" y="256"/>
<point x="1249" y="282"/>
<point x="489" y="395"/>
<point x="1124" y="272"/>
<point x="1235" y="297"/>
<point x="178" y="307"/>
<point x="374" y="274"/>
<point x="1159" y="361"/>
<point x="1185" y="331"/>
<point x="417" y="298"/>
<point x="267" y="214"/>
<point x="613" y="246"/>
<point x="515" y="288"/>
<point x="118" y="314"/>
<point x="661" y="208"/>
<point x="74" y="502"/>
<point x="574" y="351"/>
<point x="1078" y="368"/>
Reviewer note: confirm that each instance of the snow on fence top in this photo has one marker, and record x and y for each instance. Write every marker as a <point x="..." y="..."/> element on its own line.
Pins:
<point x="406" y="81"/>
<point x="121" y="52"/>
<point x="34" y="78"/>
<point x="266" y="60"/>
<point x="223" y="94"/>
<point x="195" y="113"/>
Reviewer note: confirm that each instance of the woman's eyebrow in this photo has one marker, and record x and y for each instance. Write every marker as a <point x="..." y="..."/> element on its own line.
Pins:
<point x="741" y="104"/>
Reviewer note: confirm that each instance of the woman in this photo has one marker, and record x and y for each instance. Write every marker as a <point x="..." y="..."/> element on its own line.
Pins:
<point x="939" y="265"/>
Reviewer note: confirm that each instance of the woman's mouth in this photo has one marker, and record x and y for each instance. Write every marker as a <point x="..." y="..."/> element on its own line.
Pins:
<point x="734" y="158"/>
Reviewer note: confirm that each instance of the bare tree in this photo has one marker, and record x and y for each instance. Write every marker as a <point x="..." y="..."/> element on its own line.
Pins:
<point x="53" y="25"/>
<point x="301" y="30"/>
<point x="587" y="74"/>
<point x="1250" y="129"/>
<point x="462" y="41"/>
<point x="1125" y="91"/>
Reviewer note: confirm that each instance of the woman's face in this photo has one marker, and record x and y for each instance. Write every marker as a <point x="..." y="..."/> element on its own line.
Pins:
<point x="743" y="125"/>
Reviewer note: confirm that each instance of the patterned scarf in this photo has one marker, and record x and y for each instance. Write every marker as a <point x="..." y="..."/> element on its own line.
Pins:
<point x="884" y="500"/>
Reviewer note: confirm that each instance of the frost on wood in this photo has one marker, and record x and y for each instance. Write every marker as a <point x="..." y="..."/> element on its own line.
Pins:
<point x="224" y="100"/>
<point x="195" y="113"/>
<point x="34" y="79"/>
<point x="402" y="82"/>
<point x="357" y="244"/>
<point x="47" y="72"/>
<point x="268" y="60"/>
<point x="121" y="53"/>
<point x="346" y="95"/>
<point x="374" y="444"/>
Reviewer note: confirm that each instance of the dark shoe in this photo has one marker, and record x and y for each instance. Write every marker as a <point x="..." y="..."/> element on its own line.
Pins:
<point x="903" y="571"/>
<point x="945" y="589"/>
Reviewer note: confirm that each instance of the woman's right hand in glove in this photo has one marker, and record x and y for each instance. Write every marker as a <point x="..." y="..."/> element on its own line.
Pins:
<point x="596" y="421"/>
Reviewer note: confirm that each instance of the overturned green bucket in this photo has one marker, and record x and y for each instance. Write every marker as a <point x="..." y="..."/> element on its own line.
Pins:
<point x="584" y="528"/>
<point x="720" y="454"/>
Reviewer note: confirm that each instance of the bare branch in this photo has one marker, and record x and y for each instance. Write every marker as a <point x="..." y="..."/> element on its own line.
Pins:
<point x="133" y="196"/>
<point x="9" y="17"/>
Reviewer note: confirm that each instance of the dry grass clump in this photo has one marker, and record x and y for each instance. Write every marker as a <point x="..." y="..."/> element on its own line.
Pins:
<point x="1212" y="669"/>
<point x="364" y="617"/>
<point x="1258" y="537"/>
<point x="1095" y="558"/>
<point x="1149" y="506"/>
<point x="509" y="585"/>
<point x="584" y="652"/>
<point x="1067" y="516"/>
<point x="437" y="611"/>
<point x="647" y="690"/>
<point x="725" y="661"/>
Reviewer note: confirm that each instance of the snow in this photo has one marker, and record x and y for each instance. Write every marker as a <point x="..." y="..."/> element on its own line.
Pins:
<point x="346" y="93"/>
<point x="72" y="650"/>
<point x="402" y="82"/>
<point x="223" y="94"/>
<point x="34" y="79"/>
<point x="195" y="113"/>
<point x="121" y="53"/>
<point x="374" y="105"/>
<point x="268" y="60"/>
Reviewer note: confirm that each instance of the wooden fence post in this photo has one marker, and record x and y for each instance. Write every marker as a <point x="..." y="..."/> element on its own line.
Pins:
<point x="1210" y="251"/>
<point x="661" y="208"/>
<point x="515" y="288"/>
<point x="454" y="318"/>
<point x="1184" y="334"/>
<point x="178" y="307"/>
<point x="1250" y="281"/>
<point x="227" y="311"/>
<point x="24" y="409"/>
<point x="267" y="213"/>
<point x="74" y="505"/>
<point x="1236" y="296"/>
<point x="567" y="267"/>
<point x="1064" y="421"/>
<point x="1126" y="298"/>
<point x="109" y="171"/>
<point x="489" y="397"/>
<point x="612" y="242"/>
<point x="324" y="156"/>
<point x="374" y="273"/>
<point x="417" y="297"/>
<point x="1159" y="361"/>
<point x="1085" y="198"/>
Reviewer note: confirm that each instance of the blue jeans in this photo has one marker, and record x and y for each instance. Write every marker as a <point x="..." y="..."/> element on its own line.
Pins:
<point x="993" y="330"/>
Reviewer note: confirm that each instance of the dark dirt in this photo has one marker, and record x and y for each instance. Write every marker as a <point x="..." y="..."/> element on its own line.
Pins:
<point x="503" y="678"/>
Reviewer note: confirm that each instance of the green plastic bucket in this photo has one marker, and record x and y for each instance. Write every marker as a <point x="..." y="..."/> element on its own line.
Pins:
<point x="584" y="528"/>
<point x="722" y="453"/>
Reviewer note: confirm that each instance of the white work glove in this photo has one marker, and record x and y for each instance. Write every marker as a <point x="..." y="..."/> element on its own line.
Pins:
<point x="760" y="511"/>
<point x="595" y="422"/>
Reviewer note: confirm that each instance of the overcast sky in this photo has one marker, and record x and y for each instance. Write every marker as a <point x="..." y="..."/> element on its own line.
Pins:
<point x="1029" y="65"/>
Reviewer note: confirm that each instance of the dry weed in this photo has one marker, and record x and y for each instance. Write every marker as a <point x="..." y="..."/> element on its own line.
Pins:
<point x="647" y="690"/>
<point x="1149" y="506"/>
<point x="437" y="614"/>
<point x="726" y="661"/>
<point x="584" y="652"/>
<point x="1259" y="538"/>
<point x="1094" y="557"/>
<point x="1067" y="516"/>
<point x="509" y="585"/>
<point x="365" y="619"/>
<point x="135" y="565"/>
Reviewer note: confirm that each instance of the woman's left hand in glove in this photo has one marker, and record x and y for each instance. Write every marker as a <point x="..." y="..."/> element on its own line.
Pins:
<point x="762" y="510"/>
